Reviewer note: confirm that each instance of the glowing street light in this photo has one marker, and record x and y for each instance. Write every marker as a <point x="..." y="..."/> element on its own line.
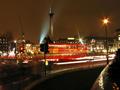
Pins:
<point x="105" y="23"/>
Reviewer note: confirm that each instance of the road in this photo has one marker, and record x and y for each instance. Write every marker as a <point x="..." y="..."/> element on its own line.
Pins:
<point x="88" y="64"/>
<point x="73" y="80"/>
<point x="56" y="68"/>
<point x="81" y="64"/>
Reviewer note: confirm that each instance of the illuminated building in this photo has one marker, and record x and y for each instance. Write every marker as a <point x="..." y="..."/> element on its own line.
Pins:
<point x="4" y="44"/>
<point x="118" y="38"/>
<point x="97" y="44"/>
<point x="70" y="40"/>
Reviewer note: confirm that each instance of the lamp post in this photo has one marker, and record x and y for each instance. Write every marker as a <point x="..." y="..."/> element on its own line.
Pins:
<point x="105" y="23"/>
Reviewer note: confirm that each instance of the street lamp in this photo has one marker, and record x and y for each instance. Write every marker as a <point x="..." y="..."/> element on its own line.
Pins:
<point x="105" y="23"/>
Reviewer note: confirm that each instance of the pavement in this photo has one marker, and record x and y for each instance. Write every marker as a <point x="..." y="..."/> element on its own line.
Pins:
<point x="105" y="81"/>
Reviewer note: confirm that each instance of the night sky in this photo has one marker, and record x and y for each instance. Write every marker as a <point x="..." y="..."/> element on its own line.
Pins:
<point x="71" y="17"/>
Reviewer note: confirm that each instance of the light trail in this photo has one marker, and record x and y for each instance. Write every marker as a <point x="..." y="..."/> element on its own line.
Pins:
<point x="72" y="62"/>
<point x="86" y="59"/>
<point x="104" y="59"/>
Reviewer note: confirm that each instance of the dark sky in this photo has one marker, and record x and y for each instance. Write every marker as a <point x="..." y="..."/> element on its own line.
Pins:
<point x="71" y="17"/>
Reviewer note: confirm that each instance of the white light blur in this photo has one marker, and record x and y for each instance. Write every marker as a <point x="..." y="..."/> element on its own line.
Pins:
<point x="25" y="61"/>
<point x="70" y="38"/>
<point x="11" y="53"/>
<point x="45" y="30"/>
<point x="28" y="45"/>
<point x="23" y="40"/>
<point x="101" y="82"/>
<point x="88" y="59"/>
<point x="15" y="41"/>
<point x="72" y="62"/>
<point x="4" y="54"/>
<point x="119" y="38"/>
<point x="104" y="51"/>
<point x="81" y="40"/>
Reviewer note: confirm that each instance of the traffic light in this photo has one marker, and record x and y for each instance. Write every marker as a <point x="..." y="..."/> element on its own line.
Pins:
<point x="44" y="47"/>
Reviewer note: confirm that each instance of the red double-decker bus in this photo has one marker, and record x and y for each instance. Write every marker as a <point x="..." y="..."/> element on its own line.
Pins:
<point x="65" y="52"/>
